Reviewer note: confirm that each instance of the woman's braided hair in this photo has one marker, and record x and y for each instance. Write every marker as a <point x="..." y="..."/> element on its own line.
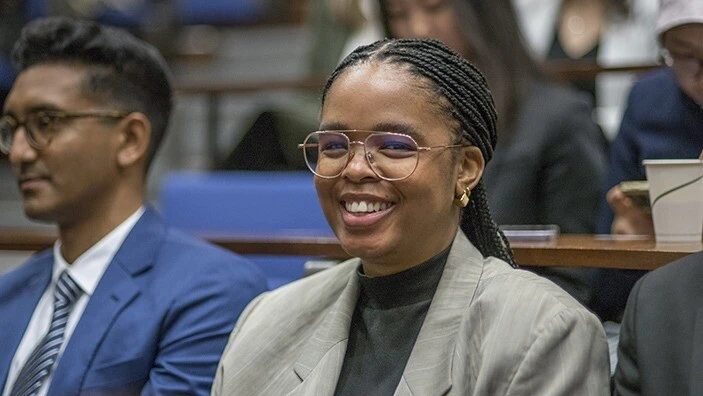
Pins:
<point x="463" y="87"/>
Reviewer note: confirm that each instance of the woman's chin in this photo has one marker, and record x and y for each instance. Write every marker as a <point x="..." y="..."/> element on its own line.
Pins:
<point x="365" y="248"/>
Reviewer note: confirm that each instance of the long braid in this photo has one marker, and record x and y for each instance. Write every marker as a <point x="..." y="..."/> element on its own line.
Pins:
<point x="471" y="105"/>
<point x="479" y="226"/>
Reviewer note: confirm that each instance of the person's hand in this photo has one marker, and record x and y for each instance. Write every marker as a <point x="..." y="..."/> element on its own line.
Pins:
<point x="630" y="218"/>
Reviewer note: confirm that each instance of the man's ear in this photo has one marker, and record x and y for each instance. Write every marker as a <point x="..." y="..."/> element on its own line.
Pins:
<point x="134" y="138"/>
<point x="471" y="165"/>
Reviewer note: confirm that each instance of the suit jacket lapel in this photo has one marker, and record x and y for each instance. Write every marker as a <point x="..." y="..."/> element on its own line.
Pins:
<point x="697" y="359"/>
<point x="320" y="362"/>
<point x="116" y="289"/>
<point x="18" y="301"/>
<point x="428" y="370"/>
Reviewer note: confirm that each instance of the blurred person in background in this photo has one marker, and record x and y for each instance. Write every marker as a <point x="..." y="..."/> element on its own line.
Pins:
<point x="606" y="32"/>
<point x="270" y="136"/>
<point x="550" y="151"/>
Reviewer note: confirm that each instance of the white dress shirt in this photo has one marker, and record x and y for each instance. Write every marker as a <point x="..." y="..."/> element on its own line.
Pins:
<point x="86" y="271"/>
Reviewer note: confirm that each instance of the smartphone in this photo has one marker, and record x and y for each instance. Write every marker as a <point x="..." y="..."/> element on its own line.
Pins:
<point x="638" y="191"/>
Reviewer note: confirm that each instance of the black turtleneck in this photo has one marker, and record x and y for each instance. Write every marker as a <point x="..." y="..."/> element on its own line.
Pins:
<point x="387" y="319"/>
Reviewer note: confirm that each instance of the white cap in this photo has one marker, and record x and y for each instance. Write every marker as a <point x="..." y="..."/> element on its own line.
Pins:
<point x="673" y="13"/>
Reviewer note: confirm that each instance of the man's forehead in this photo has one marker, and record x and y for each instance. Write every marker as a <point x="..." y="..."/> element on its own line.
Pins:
<point x="46" y="86"/>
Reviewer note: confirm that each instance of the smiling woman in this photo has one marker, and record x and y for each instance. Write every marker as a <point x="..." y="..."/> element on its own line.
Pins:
<point x="432" y="303"/>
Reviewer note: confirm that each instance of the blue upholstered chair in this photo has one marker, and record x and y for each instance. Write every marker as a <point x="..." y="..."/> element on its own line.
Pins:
<point x="251" y="203"/>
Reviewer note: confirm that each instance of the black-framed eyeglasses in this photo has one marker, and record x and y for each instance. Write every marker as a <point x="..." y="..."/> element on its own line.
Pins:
<point x="392" y="156"/>
<point x="687" y="65"/>
<point x="40" y="126"/>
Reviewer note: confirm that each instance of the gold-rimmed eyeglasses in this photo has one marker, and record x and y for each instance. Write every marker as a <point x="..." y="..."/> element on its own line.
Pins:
<point x="392" y="156"/>
<point x="40" y="126"/>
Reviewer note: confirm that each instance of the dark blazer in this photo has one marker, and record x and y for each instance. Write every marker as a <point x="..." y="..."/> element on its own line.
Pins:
<point x="661" y="339"/>
<point x="157" y="322"/>
<point x="549" y="172"/>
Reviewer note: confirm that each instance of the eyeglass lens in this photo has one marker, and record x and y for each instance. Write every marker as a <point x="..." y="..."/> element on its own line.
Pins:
<point x="5" y="136"/>
<point x="391" y="156"/>
<point x="36" y="131"/>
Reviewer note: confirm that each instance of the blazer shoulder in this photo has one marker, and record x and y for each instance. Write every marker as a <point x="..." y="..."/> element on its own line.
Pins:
<point x="38" y="262"/>
<point x="312" y="293"/>
<point x="678" y="281"/>
<point x="523" y="290"/>
<point x="276" y="324"/>
<point x="529" y="325"/>
<point x="182" y="262"/>
<point x="183" y="249"/>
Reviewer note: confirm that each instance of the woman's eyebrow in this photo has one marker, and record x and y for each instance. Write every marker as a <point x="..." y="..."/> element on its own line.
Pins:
<point x="397" y="127"/>
<point x="333" y="126"/>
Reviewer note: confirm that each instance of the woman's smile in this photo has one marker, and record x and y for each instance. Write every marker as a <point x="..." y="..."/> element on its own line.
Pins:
<point x="364" y="212"/>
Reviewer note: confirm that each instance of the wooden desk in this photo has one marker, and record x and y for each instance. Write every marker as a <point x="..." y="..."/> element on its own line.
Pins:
<point x="602" y="251"/>
<point x="599" y="251"/>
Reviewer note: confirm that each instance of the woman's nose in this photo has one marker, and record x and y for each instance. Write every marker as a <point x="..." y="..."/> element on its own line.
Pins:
<point x="358" y="167"/>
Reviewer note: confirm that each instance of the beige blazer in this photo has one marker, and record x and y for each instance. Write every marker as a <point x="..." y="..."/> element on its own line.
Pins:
<point x="490" y="330"/>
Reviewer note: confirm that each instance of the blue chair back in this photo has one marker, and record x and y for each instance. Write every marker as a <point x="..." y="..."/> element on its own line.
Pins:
<point x="252" y="203"/>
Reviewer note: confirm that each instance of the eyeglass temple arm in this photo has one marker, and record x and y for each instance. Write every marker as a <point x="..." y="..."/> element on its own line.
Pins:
<point x="307" y="145"/>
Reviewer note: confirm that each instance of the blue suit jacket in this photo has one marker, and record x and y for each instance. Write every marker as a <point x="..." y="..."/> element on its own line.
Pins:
<point x="157" y="322"/>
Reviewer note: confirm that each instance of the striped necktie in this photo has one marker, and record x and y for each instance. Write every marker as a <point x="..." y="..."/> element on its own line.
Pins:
<point x="40" y="363"/>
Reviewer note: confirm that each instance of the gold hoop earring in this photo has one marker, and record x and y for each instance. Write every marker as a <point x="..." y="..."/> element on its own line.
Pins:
<point x="463" y="200"/>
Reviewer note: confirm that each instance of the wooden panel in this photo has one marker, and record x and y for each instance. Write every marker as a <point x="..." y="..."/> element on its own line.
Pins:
<point x="26" y="239"/>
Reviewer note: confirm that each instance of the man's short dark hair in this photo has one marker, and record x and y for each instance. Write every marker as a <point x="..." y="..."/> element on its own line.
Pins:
<point x="126" y="72"/>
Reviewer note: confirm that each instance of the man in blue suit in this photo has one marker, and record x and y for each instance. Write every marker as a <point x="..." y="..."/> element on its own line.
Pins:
<point x="122" y="304"/>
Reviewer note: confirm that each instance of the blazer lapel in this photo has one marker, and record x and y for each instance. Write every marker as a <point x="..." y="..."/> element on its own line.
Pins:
<point x="18" y="299"/>
<point x="116" y="289"/>
<point x="320" y="362"/>
<point x="428" y="370"/>
<point x="114" y="292"/>
<point x="697" y="359"/>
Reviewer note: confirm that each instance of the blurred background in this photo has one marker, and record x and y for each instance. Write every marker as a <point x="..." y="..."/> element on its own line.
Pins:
<point x="235" y="61"/>
<point x="227" y="57"/>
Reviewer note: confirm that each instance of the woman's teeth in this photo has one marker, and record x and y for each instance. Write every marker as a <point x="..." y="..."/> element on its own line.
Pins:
<point x="366" y="207"/>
